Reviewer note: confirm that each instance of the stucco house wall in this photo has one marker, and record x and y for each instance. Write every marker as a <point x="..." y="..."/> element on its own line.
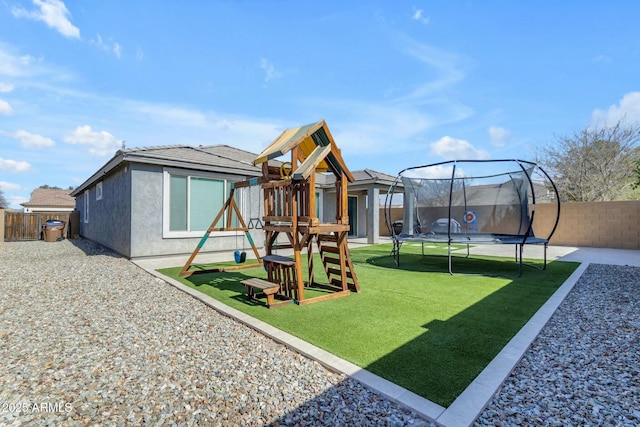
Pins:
<point x="107" y="219"/>
<point x="148" y="237"/>
<point x="129" y="217"/>
<point x="125" y="205"/>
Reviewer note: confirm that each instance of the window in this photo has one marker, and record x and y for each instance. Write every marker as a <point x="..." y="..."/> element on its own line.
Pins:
<point x="86" y="206"/>
<point x="192" y="201"/>
<point x="99" y="191"/>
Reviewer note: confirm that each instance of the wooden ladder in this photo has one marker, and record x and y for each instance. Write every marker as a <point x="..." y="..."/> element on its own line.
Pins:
<point x="332" y="255"/>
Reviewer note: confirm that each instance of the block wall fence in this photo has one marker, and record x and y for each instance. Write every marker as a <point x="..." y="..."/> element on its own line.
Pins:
<point x="613" y="225"/>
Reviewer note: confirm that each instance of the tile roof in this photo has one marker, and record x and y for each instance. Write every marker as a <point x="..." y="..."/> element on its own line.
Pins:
<point x="218" y="156"/>
<point x="51" y="197"/>
<point x="213" y="158"/>
<point x="364" y="176"/>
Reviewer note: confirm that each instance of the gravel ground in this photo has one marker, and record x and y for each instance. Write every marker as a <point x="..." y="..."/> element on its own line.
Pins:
<point x="88" y="338"/>
<point x="584" y="366"/>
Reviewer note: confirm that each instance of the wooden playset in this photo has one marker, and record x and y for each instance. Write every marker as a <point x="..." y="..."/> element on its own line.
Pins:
<point x="289" y="197"/>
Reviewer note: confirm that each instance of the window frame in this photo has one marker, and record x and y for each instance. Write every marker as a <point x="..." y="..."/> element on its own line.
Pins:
<point x="99" y="191"/>
<point x="86" y="198"/>
<point x="228" y="181"/>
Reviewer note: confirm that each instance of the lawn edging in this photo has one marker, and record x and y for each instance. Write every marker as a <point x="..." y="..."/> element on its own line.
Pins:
<point x="466" y="407"/>
<point x="412" y="401"/>
<point x="472" y="401"/>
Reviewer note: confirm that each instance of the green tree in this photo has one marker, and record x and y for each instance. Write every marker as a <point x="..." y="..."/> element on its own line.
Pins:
<point x="596" y="163"/>
<point x="637" y="171"/>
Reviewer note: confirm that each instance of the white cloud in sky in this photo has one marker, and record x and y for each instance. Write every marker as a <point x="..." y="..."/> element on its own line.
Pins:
<point x="199" y="127"/>
<point x="33" y="72"/>
<point x="107" y="46"/>
<point x="628" y="109"/>
<point x="446" y="66"/>
<point x="5" y="87"/>
<point x="5" y="108"/>
<point x="419" y="16"/>
<point x="99" y="144"/>
<point x="14" y="166"/>
<point x="9" y="186"/>
<point x="402" y="121"/>
<point x="498" y="136"/>
<point x="270" y="70"/>
<point x="377" y="128"/>
<point x="602" y="58"/>
<point x="54" y="13"/>
<point x="163" y="113"/>
<point x="432" y="172"/>
<point x="12" y="65"/>
<point x="457" y="149"/>
<point x="32" y="140"/>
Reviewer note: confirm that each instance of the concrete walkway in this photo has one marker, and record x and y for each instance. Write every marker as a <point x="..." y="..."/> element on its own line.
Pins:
<point x="466" y="408"/>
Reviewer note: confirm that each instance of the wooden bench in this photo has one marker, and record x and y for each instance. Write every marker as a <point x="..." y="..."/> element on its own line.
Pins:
<point x="269" y="289"/>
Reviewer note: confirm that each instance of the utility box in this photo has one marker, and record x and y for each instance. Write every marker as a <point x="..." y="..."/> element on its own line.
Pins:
<point x="53" y="230"/>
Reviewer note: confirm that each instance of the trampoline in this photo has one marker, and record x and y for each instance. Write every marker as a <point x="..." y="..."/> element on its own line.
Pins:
<point x="471" y="202"/>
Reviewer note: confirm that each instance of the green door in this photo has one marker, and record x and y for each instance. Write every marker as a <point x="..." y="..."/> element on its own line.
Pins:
<point x="352" y="207"/>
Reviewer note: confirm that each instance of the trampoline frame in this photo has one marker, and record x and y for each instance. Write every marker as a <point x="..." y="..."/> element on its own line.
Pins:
<point x="468" y="239"/>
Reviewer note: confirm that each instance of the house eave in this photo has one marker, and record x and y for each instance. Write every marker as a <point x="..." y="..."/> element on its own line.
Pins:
<point x="122" y="158"/>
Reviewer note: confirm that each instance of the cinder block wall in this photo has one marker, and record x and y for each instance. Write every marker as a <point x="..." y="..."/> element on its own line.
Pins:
<point x="594" y="224"/>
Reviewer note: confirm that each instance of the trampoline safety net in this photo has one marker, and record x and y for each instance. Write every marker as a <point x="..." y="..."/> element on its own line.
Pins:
<point x="470" y="201"/>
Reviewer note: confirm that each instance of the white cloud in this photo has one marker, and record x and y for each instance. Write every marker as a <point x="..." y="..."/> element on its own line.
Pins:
<point x="270" y="70"/>
<point x="14" y="166"/>
<point x="9" y="186"/>
<point x="602" y="58"/>
<point x="178" y="125"/>
<point x="419" y="16"/>
<point x="98" y="143"/>
<point x="32" y="140"/>
<point x="432" y="172"/>
<point x="446" y="66"/>
<point x="457" y="149"/>
<point x="498" y="136"/>
<point x="628" y="109"/>
<point x="169" y="114"/>
<point x="108" y="46"/>
<point x="54" y="13"/>
<point x="117" y="50"/>
<point x="13" y="65"/>
<point x="376" y="128"/>
<point x="5" y="108"/>
<point x="5" y="87"/>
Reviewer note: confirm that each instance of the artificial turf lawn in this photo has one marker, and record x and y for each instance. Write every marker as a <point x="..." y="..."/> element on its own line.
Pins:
<point x="429" y="332"/>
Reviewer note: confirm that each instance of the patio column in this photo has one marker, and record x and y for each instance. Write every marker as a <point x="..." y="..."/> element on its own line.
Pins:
<point x="373" y="215"/>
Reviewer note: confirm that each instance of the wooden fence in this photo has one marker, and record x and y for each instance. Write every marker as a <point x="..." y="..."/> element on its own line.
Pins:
<point x="20" y="226"/>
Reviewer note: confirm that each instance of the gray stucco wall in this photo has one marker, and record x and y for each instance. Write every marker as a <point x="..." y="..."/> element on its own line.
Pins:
<point x="146" y="211"/>
<point x="109" y="218"/>
<point x="329" y="210"/>
<point x="362" y="215"/>
<point x="147" y="220"/>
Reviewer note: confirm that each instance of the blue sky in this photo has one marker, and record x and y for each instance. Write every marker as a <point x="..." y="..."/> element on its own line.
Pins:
<point x="399" y="83"/>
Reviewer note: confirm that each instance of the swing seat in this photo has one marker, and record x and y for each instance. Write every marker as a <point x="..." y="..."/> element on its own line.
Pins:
<point x="240" y="257"/>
